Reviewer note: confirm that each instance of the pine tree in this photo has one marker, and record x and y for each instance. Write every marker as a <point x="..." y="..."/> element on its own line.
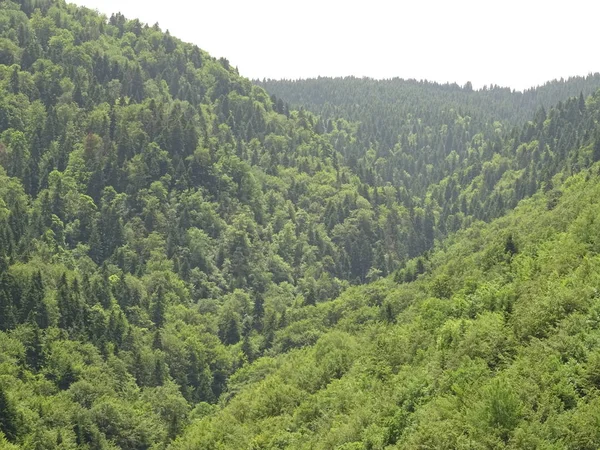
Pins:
<point x="199" y="378"/>
<point x="247" y="348"/>
<point x="101" y="289"/>
<point x="64" y="302"/>
<point x="67" y="378"/>
<point x="389" y="313"/>
<point x="596" y="152"/>
<point x="137" y="85"/>
<point x="510" y="247"/>
<point x="157" y="343"/>
<point x="159" y="373"/>
<point x="34" y="308"/>
<point x="14" y="81"/>
<point x="34" y="354"/>
<point x="258" y="313"/>
<point x="158" y="308"/>
<point x="229" y="328"/>
<point x="420" y="266"/>
<point x="310" y="298"/>
<point x="174" y="427"/>
<point x="269" y="330"/>
<point x="7" y="313"/>
<point x="8" y="417"/>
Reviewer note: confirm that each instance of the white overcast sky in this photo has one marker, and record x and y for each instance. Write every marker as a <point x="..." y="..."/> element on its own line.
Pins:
<point x="516" y="43"/>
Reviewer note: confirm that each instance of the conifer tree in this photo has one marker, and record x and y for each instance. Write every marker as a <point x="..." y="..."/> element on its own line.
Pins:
<point x="596" y="151"/>
<point x="7" y="313"/>
<point x="8" y="417"/>
<point x="159" y="307"/>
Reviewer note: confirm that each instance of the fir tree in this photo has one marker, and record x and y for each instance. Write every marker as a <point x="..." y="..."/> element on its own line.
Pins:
<point x="8" y="417"/>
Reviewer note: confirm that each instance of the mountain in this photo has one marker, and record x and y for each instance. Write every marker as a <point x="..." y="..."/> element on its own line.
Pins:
<point x="381" y="106"/>
<point x="171" y="234"/>
<point x="408" y="126"/>
<point x="456" y="153"/>
<point x="493" y="346"/>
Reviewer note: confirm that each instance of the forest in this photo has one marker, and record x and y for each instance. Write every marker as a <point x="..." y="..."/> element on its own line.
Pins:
<point x="190" y="259"/>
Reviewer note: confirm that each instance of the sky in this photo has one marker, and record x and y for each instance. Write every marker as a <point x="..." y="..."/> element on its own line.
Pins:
<point x="515" y="43"/>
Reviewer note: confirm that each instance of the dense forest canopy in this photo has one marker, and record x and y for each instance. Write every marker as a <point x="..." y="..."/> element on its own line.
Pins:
<point x="495" y="346"/>
<point x="352" y="97"/>
<point x="411" y="128"/>
<point x="187" y="261"/>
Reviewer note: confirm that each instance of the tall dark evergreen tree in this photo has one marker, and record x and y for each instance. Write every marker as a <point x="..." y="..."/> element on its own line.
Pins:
<point x="8" y="417"/>
<point x="159" y="307"/>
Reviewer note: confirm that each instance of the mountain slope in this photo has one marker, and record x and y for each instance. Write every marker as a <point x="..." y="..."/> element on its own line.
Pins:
<point x="356" y="98"/>
<point x="454" y="152"/>
<point x="164" y="223"/>
<point x="495" y="346"/>
<point x="407" y="123"/>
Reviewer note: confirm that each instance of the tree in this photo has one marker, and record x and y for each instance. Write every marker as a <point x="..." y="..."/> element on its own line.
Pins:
<point x="258" y="312"/>
<point x="7" y="312"/>
<point x="34" y="306"/>
<point x="159" y="307"/>
<point x="502" y="408"/>
<point x="510" y="247"/>
<point x="8" y="417"/>
<point x="14" y="80"/>
<point x="247" y="348"/>
<point x="153" y="174"/>
<point x="34" y="354"/>
<point x="596" y="151"/>
<point x="199" y="378"/>
<point x="229" y="327"/>
<point x="69" y="305"/>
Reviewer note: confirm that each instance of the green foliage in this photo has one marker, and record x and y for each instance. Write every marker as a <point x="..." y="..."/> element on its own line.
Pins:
<point x="182" y="255"/>
<point x="504" y="355"/>
<point x="8" y="417"/>
<point x="451" y="154"/>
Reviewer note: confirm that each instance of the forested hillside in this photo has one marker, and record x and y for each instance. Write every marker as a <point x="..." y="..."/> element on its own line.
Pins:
<point x="418" y="133"/>
<point x="495" y="346"/>
<point x="173" y="236"/>
<point x="378" y="103"/>
<point x="453" y="153"/>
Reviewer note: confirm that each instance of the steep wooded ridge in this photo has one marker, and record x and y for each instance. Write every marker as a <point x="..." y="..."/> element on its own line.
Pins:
<point x="173" y="240"/>
<point x="418" y="133"/>
<point x="377" y="103"/>
<point x="495" y="346"/>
